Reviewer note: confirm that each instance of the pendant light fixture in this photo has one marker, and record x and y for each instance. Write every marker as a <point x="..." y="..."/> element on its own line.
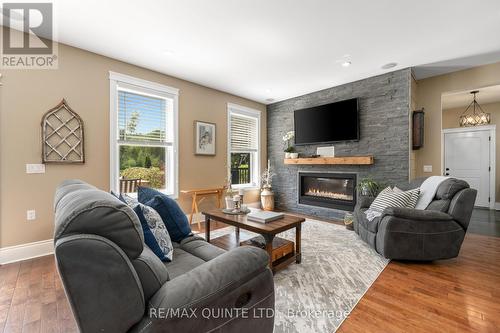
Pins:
<point x="475" y="118"/>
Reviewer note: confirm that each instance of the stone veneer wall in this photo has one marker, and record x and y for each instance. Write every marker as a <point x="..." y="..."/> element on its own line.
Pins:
<point x="384" y="106"/>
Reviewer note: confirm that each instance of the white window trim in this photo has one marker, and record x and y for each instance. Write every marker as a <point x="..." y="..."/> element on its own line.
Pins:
<point x="231" y="107"/>
<point x="114" y="80"/>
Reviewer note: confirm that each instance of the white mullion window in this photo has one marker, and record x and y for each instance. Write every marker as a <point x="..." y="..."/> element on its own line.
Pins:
<point x="143" y="127"/>
<point x="243" y="146"/>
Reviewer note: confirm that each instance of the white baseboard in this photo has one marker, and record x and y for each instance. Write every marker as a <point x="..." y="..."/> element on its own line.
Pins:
<point x="198" y="217"/>
<point x="26" y="251"/>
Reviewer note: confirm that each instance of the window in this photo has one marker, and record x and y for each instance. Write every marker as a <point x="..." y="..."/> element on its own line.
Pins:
<point x="143" y="117"/>
<point x="243" y="146"/>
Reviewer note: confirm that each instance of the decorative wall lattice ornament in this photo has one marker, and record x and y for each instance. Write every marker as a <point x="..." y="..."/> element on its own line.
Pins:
<point x="62" y="135"/>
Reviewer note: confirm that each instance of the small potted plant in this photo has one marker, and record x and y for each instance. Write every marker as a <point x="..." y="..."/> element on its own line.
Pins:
<point x="266" y="194"/>
<point x="368" y="187"/>
<point x="289" y="148"/>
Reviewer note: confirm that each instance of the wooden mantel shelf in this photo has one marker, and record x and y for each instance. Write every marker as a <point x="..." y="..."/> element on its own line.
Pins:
<point x="344" y="160"/>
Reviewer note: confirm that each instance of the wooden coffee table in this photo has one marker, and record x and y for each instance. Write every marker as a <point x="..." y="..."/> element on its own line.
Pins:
<point x="267" y="230"/>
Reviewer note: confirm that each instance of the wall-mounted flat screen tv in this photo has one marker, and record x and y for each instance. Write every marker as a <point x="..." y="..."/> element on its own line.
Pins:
<point x="327" y="123"/>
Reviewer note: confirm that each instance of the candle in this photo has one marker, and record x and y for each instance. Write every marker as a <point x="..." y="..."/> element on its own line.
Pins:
<point x="241" y="192"/>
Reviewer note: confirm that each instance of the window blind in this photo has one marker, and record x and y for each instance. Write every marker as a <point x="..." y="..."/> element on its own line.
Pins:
<point x="141" y="117"/>
<point x="244" y="132"/>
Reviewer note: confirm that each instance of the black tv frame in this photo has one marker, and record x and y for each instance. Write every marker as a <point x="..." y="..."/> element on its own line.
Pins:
<point x="328" y="142"/>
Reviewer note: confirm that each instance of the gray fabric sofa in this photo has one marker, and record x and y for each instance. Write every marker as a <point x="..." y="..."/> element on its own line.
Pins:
<point x="410" y="234"/>
<point x="115" y="283"/>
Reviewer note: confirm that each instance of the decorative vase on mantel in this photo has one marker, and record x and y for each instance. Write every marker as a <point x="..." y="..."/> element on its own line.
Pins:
<point x="267" y="199"/>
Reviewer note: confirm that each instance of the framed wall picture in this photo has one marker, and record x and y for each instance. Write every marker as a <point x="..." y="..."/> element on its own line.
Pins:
<point x="204" y="138"/>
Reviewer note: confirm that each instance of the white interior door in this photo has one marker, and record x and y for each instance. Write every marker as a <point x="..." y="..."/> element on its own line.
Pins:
<point x="467" y="157"/>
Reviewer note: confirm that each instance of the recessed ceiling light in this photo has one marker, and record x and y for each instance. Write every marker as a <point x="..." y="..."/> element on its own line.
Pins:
<point x="390" y="65"/>
<point x="168" y="52"/>
<point x="346" y="64"/>
<point x="268" y="90"/>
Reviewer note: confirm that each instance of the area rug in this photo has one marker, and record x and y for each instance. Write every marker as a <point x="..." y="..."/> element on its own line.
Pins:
<point x="337" y="269"/>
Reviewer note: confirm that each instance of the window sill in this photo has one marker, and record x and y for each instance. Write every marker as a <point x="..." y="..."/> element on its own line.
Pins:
<point x="246" y="187"/>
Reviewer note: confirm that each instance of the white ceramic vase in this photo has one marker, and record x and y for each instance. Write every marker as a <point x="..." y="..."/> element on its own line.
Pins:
<point x="288" y="155"/>
<point x="267" y="199"/>
<point x="294" y="155"/>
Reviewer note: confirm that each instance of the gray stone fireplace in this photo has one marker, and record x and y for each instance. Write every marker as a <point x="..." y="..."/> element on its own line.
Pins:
<point x="384" y="113"/>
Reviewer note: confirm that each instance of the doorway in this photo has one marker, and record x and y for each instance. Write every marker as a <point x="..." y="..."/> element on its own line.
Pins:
<point x="467" y="118"/>
<point x="469" y="154"/>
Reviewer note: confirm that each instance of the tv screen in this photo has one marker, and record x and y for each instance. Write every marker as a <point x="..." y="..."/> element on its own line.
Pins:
<point x="327" y="123"/>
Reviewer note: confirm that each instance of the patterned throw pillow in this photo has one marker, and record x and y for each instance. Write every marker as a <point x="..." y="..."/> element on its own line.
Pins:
<point x="415" y="194"/>
<point x="156" y="225"/>
<point x="149" y="238"/>
<point x="389" y="198"/>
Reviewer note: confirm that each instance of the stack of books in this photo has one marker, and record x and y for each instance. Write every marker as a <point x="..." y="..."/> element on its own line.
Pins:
<point x="264" y="216"/>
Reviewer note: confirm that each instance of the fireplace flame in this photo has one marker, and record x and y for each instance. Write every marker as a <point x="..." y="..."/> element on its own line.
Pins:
<point x="327" y="194"/>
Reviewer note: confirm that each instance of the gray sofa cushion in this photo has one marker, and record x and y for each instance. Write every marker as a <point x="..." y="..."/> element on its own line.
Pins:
<point x="450" y="187"/>
<point x="198" y="247"/>
<point x="439" y="205"/>
<point x="189" y="254"/>
<point x="445" y="192"/>
<point x="182" y="262"/>
<point x="151" y="271"/>
<point x="83" y="209"/>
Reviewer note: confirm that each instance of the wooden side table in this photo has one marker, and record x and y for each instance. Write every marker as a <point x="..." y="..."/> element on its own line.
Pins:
<point x="202" y="194"/>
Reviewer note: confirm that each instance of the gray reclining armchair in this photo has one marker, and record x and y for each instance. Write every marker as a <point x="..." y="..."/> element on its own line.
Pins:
<point x="115" y="283"/>
<point x="410" y="234"/>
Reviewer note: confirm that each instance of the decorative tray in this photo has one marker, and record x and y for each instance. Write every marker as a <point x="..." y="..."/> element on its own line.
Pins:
<point x="232" y="212"/>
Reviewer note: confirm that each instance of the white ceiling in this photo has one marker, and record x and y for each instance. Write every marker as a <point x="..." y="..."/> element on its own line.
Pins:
<point x="262" y="49"/>
<point x="462" y="99"/>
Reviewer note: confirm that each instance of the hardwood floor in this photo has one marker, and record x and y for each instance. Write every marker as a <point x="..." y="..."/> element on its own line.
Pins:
<point x="458" y="295"/>
<point x="32" y="298"/>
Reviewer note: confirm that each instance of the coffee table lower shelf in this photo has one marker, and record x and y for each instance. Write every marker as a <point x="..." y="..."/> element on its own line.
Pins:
<point x="283" y="253"/>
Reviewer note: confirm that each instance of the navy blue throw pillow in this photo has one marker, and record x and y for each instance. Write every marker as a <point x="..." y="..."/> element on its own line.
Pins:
<point x="174" y="218"/>
<point x="145" y="194"/>
<point x="149" y="238"/>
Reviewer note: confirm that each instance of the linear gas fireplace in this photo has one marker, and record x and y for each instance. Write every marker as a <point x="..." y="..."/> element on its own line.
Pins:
<point x="331" y="190"/>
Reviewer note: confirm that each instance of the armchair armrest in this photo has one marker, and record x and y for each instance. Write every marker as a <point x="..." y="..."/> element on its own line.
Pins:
<point x="236" y="279"/>
<point x="416" y="214"/>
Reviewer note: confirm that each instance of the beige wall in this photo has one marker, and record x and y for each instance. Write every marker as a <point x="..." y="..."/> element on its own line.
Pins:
<point x="429" y="92"/>
<point x="82" y="79"/>
<point x="450" y="120"/>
